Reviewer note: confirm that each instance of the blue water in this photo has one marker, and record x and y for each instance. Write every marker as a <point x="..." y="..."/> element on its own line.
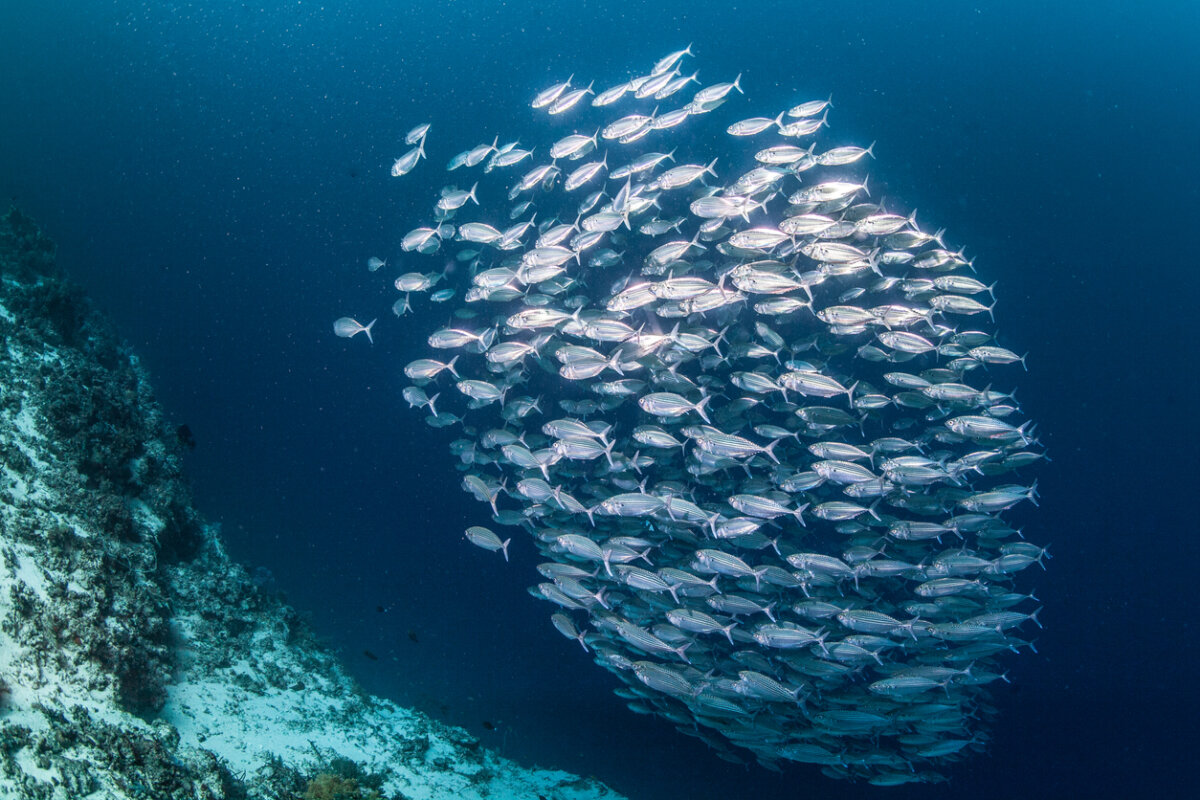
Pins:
<point x="216" y="175"/>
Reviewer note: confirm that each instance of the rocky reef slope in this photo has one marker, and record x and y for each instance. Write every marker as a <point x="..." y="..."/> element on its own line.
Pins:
<point x="136" y="659"/>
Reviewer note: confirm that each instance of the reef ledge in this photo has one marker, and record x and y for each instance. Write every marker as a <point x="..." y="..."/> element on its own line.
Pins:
<point x="136" y="659"/>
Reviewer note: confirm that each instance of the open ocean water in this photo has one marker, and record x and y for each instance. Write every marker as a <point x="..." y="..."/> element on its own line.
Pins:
<point x="216" y="175"/>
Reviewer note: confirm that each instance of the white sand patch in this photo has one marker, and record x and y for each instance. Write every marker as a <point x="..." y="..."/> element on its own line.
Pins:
<point x="30" y="574"/>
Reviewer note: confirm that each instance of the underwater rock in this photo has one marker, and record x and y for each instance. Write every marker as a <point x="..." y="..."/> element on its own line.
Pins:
<point x="136" y="659"/>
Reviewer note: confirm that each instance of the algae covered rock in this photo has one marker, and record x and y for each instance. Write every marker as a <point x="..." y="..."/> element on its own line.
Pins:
<point x="136" y="659"/>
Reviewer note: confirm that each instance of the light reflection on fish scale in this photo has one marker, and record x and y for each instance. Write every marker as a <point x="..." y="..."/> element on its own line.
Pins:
<point x="875" y="545"/>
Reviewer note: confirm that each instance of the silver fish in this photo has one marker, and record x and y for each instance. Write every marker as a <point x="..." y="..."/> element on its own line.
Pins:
<point x="548" y="96"/>
<point x="405" y="163"/>
<point x="639" y="377"/>
<point x="417" y="134"/>
<point x="347" y="327"/>
<point x="482" y="537"/>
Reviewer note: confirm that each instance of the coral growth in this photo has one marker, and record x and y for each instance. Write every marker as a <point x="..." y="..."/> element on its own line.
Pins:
<point x="136" y="659"/>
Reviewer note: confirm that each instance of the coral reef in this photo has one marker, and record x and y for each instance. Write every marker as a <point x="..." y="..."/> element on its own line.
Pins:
<point x="137" y="660"/>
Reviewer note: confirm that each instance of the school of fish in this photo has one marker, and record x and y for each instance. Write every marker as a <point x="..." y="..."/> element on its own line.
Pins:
<point x="749" y="416"/>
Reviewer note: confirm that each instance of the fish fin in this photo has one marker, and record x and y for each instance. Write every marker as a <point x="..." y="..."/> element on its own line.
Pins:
<point x="758" y="573"/>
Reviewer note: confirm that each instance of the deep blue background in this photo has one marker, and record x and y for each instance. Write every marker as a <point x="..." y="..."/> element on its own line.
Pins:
<point x="216" y="175"/>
